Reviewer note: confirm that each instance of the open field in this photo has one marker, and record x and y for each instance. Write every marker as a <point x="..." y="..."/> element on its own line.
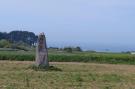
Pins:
<point x="18" y="75"/>
<point x="55" y="56"/>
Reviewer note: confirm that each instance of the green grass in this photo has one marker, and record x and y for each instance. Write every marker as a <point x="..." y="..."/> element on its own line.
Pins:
<point x="112" y="58"/>
<point x="18" y="75"/>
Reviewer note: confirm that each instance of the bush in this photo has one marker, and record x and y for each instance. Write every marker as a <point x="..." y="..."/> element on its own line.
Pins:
<point x="68" y="49"/>
<point x="4" y="44"/>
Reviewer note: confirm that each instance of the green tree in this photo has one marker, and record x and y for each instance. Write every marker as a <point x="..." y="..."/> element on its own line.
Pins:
<point x="24" y="36"/>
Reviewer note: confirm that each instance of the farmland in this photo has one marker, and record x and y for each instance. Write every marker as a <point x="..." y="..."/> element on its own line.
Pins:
<point x="54" y="56"/>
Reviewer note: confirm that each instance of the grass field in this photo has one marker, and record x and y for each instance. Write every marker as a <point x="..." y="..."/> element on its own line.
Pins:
<point x="18" y="75"/>
<point x="111" y="58"/>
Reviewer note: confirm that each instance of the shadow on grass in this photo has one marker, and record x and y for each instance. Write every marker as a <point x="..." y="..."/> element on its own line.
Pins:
<point x="44" y="68"/>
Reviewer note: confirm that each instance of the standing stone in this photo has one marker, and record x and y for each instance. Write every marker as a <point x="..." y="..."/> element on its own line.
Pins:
<point x="41" y="51"/>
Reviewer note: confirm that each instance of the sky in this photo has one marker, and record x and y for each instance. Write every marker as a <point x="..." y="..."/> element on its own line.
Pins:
<point x="92" y="24"/>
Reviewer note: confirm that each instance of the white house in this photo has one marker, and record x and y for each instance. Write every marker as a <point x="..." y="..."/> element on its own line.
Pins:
<point x="133" y="53"/>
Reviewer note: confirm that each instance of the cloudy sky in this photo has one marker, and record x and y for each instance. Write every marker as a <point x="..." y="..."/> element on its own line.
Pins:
<point x="92" y="24"/>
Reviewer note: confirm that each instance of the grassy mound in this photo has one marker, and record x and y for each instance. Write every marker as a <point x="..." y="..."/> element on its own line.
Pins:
<point x="44" y="68"/>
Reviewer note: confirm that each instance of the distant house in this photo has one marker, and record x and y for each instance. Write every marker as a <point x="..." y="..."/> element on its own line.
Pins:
<point x="133" y="52"/>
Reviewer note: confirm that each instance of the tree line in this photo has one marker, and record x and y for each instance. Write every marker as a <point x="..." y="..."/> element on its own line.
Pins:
<point x="24" y="40"/>
<point x="66" y="49"/>
<point x="19" y="36"/>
